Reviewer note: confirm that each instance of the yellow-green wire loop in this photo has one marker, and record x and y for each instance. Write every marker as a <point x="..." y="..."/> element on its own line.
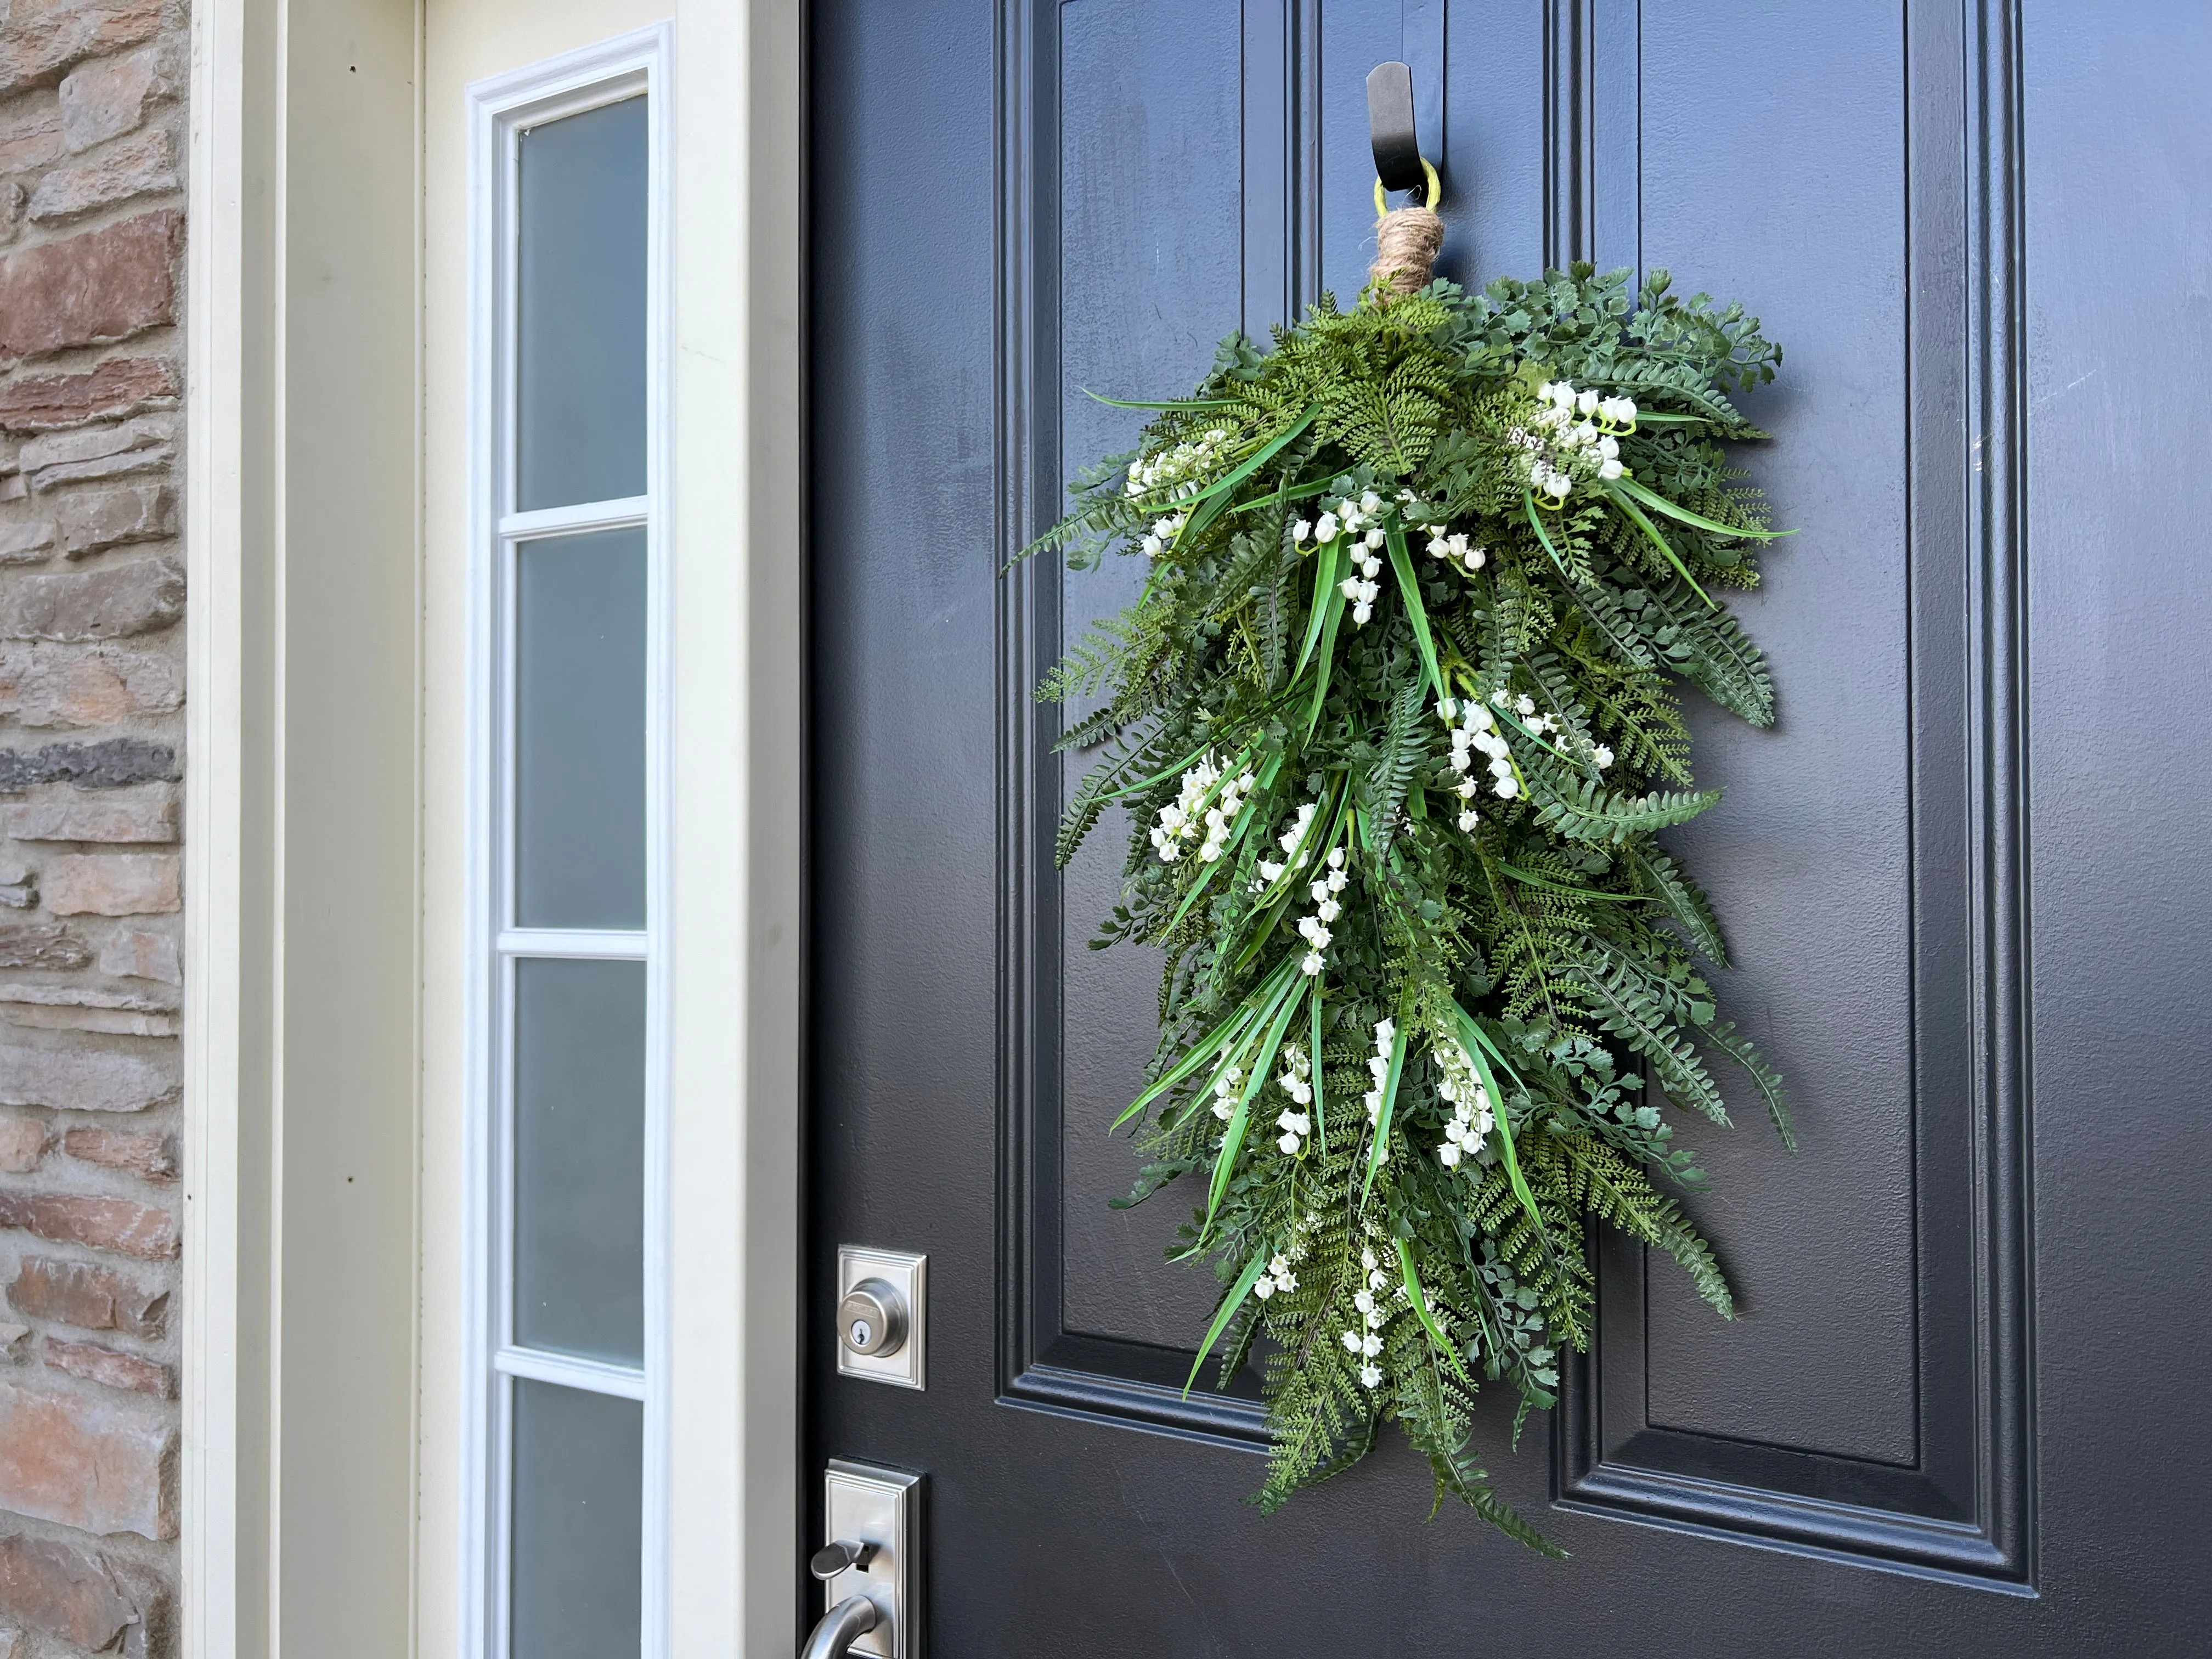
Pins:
<point x="1436" y="190"/>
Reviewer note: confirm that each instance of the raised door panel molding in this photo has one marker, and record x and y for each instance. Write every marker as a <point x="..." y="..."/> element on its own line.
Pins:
<point x="1157" y="191"/>
<point x="1890" y="1427"/>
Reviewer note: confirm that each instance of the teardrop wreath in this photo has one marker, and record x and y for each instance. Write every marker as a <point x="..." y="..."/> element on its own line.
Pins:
<point x="1395" y="720"/>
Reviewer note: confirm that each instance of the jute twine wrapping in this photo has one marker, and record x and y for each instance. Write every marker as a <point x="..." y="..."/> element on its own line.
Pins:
<point x="1406" y="243"/>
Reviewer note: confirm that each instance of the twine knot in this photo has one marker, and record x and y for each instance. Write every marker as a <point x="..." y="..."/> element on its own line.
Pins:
<point x="1406" y="240"/>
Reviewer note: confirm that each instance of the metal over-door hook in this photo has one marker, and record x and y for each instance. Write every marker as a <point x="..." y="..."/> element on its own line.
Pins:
<point x="1399" y="164"/>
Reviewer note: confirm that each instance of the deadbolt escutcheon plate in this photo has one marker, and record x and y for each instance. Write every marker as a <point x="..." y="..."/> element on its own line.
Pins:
<point x="881" y="1320"/>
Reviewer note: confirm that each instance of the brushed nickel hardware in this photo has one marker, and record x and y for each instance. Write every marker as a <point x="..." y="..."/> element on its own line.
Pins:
<point x="870" y="1575"/>
<point x="834" y="1557"/>
<point x="871" y="1319"/>
<point x="881" y="1320"/>
<point x="839" y="1628"/>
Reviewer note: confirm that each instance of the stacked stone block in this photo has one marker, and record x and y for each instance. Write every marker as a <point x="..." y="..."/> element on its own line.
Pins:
<point x="92" y="593"/>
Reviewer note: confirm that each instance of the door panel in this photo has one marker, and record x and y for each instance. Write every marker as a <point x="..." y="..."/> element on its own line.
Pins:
<point x="1082" y="197"/>
<point x="1148" y="244"/>
<point x="1872" y="1399"/>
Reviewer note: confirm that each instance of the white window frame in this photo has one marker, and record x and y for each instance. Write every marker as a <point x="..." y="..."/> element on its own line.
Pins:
<point x="499" y="110"/>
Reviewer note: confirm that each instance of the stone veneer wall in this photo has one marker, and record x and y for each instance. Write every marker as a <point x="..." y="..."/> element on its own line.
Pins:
<point x="91" y="585"/>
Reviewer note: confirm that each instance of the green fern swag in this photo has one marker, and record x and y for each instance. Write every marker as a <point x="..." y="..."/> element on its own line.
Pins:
<point x="1395" y="720"/>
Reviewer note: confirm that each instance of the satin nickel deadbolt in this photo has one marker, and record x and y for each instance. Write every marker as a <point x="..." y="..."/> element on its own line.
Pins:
<point x="871" y="1319"/>
<point x="881" y="1301"/>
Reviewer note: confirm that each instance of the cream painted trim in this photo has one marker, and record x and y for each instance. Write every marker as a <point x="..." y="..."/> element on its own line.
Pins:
<point x="735" y="1257"/>
<point x="733" y="1365"/>
<point x="297" y="1466"/>
<point x="215" y="1510"/>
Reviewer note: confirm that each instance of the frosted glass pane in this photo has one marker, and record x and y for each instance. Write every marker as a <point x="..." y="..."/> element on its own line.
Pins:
<point x="579" y="1158"/>
<point x="580" y="731"/>
<point x="578" y="1478"/>
<point x="579" y="355"/>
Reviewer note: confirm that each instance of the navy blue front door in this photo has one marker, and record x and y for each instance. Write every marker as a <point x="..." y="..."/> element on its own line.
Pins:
<point x="1960" y="1414"/>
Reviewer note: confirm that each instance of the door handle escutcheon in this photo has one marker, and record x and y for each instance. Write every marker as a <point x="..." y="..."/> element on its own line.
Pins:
<point x="869" y="1568"/>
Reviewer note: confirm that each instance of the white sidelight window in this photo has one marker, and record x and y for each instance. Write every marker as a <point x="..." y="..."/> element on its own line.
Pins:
<point x="566" y="1491"/>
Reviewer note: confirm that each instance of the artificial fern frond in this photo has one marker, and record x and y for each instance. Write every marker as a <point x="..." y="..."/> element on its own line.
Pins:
<point x="1685" y="901"/>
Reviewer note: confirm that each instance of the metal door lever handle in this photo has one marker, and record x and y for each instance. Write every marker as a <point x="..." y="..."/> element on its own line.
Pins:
<point x="842" y="1626"/>
<point x="833" y="1559"/>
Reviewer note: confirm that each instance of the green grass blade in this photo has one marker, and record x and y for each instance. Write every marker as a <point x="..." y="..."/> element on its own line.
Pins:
<point x="1302" y="492"/>
<point x="1324" y="660"/>
<point x="1246" y="817"/>
<point x="1658" y="503"/>
<point x="1416" y="612"/>
<point x="1536" y="524"/>
<point x="1230" y="1304"/>
<point x="1186" y="403"/>
<point x="1420" y="1302"/>
<point x="1389" y="1104"/>
<point x="1479" y="1051"/>
<point x="1321" y="1101"/>
<point x="1263" y="1062"/>
<point x="1252" y="463"/>
<point x="1160" y="776"/>
<point x="1531" y="878"/>
<point x="1208" y="1045"/>
<point x="1514" y="720"/>
<point x="1651" y="532"/>
<point x="1325" y="567"/>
